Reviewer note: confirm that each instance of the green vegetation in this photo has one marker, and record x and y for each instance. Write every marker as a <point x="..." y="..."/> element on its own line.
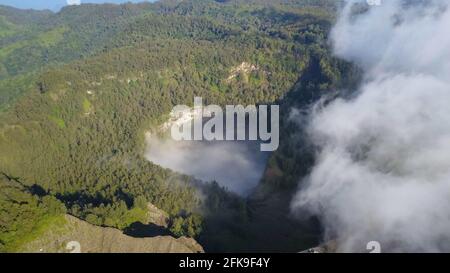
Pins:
<point x="13" y="87"/>
<point x="24" y="215"/>
<point x="186" y="226"/>
<point x="86" y="105"/>
<point x="79" y="88"/>
<point x="6" y="28"/>
<point x="52" y="37"/>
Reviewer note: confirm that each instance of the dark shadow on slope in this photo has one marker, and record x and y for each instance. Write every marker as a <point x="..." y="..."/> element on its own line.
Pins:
<point x="140" y="230"/>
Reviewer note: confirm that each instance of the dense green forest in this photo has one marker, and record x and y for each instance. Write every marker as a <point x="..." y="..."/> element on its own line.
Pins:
<point x="80" y="87"/>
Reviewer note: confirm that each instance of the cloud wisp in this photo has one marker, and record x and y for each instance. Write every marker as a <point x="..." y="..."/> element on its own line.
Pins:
<point x="383" y="161"/>
<point x="236" y="165"/>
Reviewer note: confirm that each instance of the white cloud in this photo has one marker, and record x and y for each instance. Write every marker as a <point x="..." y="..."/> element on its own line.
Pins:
<point x="383" y="166"/>
<point x="236" y="165"/>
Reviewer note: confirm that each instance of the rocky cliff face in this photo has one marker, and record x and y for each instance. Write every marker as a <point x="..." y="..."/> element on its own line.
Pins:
<point x="157" y="216"/>
<point x="79" y="236"/>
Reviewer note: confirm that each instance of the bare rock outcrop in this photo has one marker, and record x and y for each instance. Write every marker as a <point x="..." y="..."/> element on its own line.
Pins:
<point x="79" y="236"/>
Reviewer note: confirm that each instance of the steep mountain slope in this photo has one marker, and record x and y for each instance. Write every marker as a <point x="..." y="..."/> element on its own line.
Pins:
<point x="94" y="239"/>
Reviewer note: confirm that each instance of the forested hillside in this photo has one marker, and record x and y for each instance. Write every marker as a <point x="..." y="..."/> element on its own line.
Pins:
<point x="80" y="87"/>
